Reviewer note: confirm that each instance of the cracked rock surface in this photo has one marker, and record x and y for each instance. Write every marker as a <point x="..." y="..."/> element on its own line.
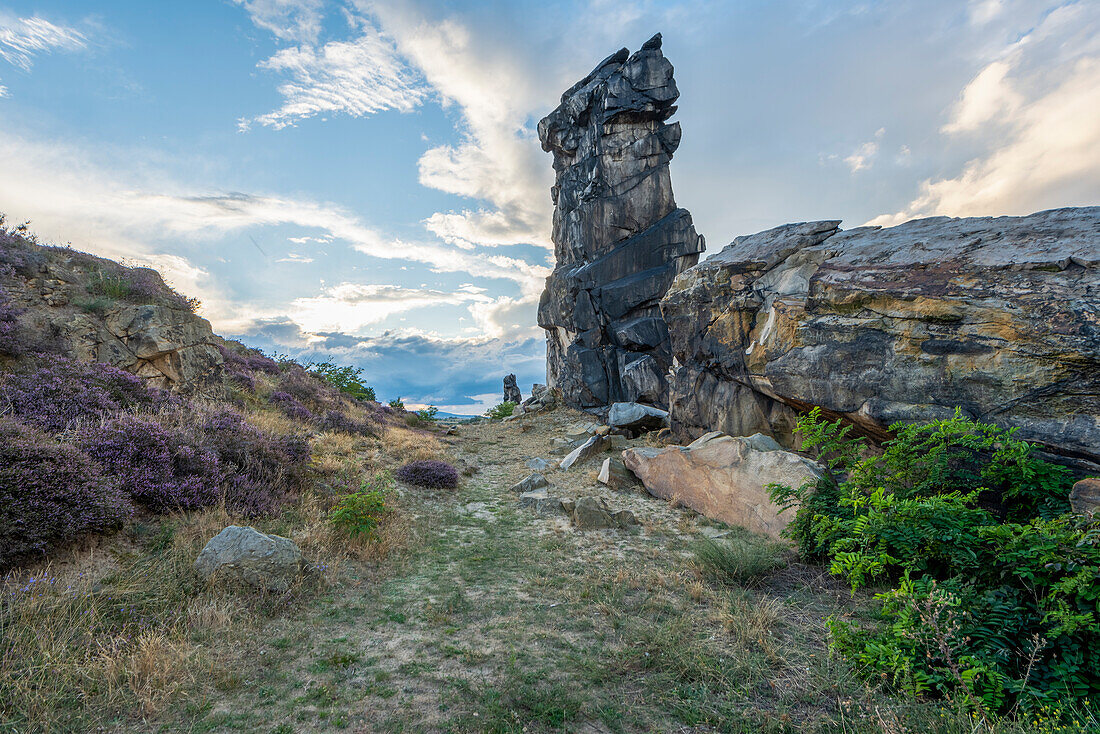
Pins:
<point x="997" y="315"/>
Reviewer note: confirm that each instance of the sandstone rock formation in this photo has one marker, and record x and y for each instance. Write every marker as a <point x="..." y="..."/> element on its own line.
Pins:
<point x="724" y="478"/>
<point x="1000" y="316"/>
<point x="618" y="236"/>
<point x="511" y="390"/>
<point x="247" y="556"/>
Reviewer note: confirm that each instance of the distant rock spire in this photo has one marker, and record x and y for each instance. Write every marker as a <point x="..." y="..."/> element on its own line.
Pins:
<point x="618" y="236"/>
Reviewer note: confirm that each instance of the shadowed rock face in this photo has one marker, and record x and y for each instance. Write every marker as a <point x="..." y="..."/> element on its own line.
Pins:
<point x="1000" y="316"/>
<point x="618" y="236"/>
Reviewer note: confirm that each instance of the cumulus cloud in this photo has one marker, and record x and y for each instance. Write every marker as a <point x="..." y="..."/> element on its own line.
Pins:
<point x="359" y="77"/>
<point x="498" y="159"/>
<point x="1033" y="109"/>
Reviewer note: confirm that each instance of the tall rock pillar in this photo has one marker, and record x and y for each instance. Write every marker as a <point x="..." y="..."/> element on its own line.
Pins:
<point x="618" y="236"/>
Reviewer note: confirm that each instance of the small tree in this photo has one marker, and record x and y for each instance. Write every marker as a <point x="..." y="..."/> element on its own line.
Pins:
<point x="344" y="378"/>
<point x="502" y="410"/>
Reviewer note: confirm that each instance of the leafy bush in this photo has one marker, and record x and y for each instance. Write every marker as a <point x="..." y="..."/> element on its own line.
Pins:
<point x="61" y="390"/>
<point x="996" y="597"/>
<point x="739" y="559"/>
<point x="359" y="513"/>
<point x="345" y="379"/>
<point x="502" y="410"/>
<point x="397" y="404"/>
<point x="158" y="466"/>
<point x="429" y="473"/>
<point x="49" y="493"/>
<point x="429" y="414"/>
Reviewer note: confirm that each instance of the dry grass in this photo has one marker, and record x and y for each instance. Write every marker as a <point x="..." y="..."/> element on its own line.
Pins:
<point x="407" y="444"/>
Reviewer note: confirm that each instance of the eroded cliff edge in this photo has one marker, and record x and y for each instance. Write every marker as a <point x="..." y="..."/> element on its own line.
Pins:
<point x="618" y="235"/>
<point x="998" y="316"/>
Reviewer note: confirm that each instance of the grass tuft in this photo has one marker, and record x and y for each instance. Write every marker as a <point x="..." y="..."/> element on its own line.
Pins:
<point x="739" y="559"/>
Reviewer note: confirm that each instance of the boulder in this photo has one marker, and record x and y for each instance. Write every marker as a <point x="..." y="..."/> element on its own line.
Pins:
<point x="614" y="474"/>
<point x="994" y="315"/>
<point x="511" y="390"/>
<point x="724" y="478"/>
<point x="245" y="555"/>
<point x="581" y="431"/>
<point x="540" y="501"/>
<point x="636" y="417"/>
<point x="619" y="238"/>
<point x="1084" y="498"/>
<point x="591" y="447"/>
<point x="529" y="484"/>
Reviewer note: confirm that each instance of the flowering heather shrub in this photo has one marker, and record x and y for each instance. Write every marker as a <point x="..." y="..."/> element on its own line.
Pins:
<point x="253" y="362"/>
<point x="302" y="385"/>
<point x="155" y="464"/>
<point x="61" y="390"/>
<point x="10" y="341"/>
<point x="432" y="474"/>
<point x="49" y="493"/>
<point x="138" y="285"/>
<point x="260" y="470"/>
<point x="334" y="420"/>
<point x="290" y="406"/>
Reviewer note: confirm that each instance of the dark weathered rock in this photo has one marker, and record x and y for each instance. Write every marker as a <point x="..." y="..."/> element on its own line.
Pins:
<point x="529" y="483"/>
<point x="618" y="236"/>
<point x="636" y="417"/>
<point x="511" y="390"/>
<point x="998" y="316"/>
<point x="589" y="448"/>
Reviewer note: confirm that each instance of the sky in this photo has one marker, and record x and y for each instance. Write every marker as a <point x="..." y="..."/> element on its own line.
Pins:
<point x="361" y="181"/>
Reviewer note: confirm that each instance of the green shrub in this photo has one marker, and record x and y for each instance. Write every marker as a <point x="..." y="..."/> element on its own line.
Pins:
<point x="397" y="404"/>
<point x="344" y="378"/>
<point x="502" y="410"/>
<point x="995" y="599"/>
<point x="738" y="559"/>
<point x="359" y="513"/>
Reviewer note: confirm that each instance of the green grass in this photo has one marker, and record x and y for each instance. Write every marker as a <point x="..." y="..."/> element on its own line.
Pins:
<point x="739" y="558"/>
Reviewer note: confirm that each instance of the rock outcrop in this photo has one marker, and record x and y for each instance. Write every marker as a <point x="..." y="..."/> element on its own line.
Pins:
<point x="511" y="390"/>
<point x="618" y="236"/>
<point x="724" y="478"/>
<point x="998" y="316"/>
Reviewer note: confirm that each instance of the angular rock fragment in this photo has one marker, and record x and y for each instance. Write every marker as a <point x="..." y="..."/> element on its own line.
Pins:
<point x="614" y="474"/>
<point x="636" y="417"/>
<point x="538" y="464"/>
<point x="724" y="478"/>
<point x="591" y="447"/>
<point x="592" y="513"/>
<point x="529" y="483"/>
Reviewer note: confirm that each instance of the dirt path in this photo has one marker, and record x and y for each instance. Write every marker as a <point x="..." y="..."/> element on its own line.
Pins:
<point x="498" y="619"/>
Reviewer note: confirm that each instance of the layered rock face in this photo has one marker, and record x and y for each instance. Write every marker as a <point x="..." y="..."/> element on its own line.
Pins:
<point x="618" y="236"/>
<point x="999" y="316"/>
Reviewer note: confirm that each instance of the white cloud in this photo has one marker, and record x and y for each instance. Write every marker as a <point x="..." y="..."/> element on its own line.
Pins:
<point x="863" y="156"/>
<point x="498" y="160"/>
<point x="986" y="98"/>
<point x="287" y="20"/>
<point x="1034" y="109"/>
<point x="982" y="12"/>
<point x="294" y="257"/>
<point x="359" y="77"/>
<point x="507" y="318"/>
<point x="348" y="307"/>
<point x="21" y="39"/>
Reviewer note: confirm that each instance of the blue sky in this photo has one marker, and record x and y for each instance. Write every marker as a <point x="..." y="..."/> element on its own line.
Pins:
<point x="361" y="180"/>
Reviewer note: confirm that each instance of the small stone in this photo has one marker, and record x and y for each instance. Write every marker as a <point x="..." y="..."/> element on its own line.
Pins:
<point x="614" y="474"/>
<point x="590" y="513"/>
<point x="247" y="556"/>
<point x="624" y="518"/>
<point x="568" y="505"/>
<point x="615" y="442"/>
<point x="1084" y="498"/>
<point x="580" y="431"/>
<point x="529" y="484"/>
<point x="538" y="464"/>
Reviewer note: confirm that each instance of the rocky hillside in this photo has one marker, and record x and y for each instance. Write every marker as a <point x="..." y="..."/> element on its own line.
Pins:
<point x="61" y="300"/>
